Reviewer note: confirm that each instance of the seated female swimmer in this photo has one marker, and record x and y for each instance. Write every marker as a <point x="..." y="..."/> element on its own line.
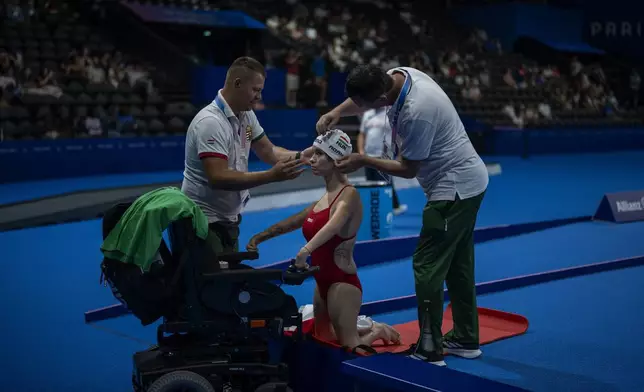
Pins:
<point x="330" y="225"/>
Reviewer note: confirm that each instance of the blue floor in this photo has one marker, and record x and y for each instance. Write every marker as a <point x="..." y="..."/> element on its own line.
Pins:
<point x="585" y="335"/>
<point x="51" y="277"/>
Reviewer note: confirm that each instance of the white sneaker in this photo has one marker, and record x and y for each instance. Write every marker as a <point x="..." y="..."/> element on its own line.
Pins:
<point x="460" y="350"/>
<point x="432" y="361"/>
<point x="432" y="357"/>
<point x="400" y="210"/>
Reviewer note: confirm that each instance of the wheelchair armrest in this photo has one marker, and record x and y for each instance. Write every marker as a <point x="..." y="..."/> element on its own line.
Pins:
<point x="237" y="257"/>
<point x="245" y="275"/>
<point x="294" y="277"/>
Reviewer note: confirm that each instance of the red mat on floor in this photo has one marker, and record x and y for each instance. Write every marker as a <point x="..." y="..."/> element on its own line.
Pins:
<point x="493" y="325"/>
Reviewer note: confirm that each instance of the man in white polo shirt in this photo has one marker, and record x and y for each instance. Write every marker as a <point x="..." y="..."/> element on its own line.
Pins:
<point x="218" y="143"/>
<point x="429" y="142"/>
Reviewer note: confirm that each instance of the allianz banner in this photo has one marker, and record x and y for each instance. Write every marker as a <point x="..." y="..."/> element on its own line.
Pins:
<point x="616" y="27"/>
<point x="621" y="207"/>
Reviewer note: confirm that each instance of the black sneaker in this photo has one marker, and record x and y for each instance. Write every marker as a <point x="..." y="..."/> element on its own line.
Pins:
<point x="469" y="351"/>
<point x="433" y="357"/>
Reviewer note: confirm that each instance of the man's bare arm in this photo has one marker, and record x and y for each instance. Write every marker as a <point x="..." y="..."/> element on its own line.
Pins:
<point x="221" y="177"/>
<point x="348" y="108"/>
<point x="398" y="168"/>
<point x="269" y="153"/>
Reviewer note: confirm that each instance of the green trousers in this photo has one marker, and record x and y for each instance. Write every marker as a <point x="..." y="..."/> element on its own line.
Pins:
<point x="223" y="237"/>
<point x="445" y="253"/>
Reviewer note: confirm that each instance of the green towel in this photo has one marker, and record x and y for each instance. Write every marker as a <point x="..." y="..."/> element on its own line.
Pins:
<point x="136" y="237"/>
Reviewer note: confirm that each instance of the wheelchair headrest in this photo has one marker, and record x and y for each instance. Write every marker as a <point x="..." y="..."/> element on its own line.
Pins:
<point x="181" y="232"/>
<point x="112" y="216"/>
<point x="181" y="228"/>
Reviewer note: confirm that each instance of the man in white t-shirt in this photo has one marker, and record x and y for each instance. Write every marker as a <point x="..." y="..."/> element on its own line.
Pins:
<point x="374" y="133"/>
<point x="429" y="143"/>
<point x="218" y="143"/>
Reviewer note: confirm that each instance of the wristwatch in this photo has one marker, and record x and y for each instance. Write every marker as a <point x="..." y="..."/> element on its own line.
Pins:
<point x="298" y="154"/>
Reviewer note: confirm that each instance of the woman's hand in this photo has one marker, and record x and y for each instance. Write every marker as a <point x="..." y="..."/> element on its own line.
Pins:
<point x="300" y="259"/>
<point x="253" y="243"/>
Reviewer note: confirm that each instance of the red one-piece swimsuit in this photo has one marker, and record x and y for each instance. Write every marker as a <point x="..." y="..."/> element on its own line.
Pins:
<point x="322" y="257"/>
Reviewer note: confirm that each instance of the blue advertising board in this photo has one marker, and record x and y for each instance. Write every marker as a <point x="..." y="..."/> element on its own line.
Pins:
<point x="617" y="27"/>
<point x="377" y="206"/>
<point x="621" y="207"/>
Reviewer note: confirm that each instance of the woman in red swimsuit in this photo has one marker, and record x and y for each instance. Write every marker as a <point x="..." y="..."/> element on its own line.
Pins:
<point x="330" y="226"/>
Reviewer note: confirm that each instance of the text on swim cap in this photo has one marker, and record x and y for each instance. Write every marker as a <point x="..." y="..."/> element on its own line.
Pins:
<point x="342" y="144"/>
<point x="335" y="150"/>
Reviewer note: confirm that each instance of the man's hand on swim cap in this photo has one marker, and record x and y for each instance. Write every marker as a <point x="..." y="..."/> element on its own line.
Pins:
<point x="350" y="163"/>
<point x="326" y="121"/>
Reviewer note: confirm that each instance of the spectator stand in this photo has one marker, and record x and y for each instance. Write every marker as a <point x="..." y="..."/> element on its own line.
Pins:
<point x="590" y="91"/>
<point x="62" y="80"/>
<point x="490" y="87"/>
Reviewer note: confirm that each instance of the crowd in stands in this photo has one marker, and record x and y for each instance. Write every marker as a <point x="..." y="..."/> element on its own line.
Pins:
<point x="60" y="79"/>
<point x="336" y="38"/>
<point x="499" y="89"/>
<point x="483" y="81"/>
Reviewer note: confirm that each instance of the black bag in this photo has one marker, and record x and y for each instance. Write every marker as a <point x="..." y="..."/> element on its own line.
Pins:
<point x="147" y="295"/>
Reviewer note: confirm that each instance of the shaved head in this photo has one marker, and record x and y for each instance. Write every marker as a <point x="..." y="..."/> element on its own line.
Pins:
<point x="244" y="84"/>
<point x="243" y="69"/>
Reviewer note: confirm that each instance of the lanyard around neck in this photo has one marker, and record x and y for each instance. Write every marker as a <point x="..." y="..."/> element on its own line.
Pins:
<point x="397" y="107"/>
<point x="222" y="106"/>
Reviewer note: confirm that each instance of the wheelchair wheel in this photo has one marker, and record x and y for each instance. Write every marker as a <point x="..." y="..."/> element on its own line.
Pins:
<point x="181" y="381"/>
<point x="272" y="387"/>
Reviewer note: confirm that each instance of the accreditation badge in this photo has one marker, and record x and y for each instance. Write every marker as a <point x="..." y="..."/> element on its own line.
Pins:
<point x="249" y="132"/>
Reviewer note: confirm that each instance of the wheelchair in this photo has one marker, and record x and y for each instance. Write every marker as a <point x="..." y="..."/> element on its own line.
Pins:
<point x="221" y="329"/>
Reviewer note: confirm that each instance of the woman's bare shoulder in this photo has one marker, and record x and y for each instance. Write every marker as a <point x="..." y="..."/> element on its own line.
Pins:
<point x="349" y="200"/>
<point x="354" y="197"/>
<point x="351" y="194"/>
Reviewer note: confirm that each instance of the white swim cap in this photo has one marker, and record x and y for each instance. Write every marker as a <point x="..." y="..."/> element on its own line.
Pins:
<point x="334" y="143"/>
